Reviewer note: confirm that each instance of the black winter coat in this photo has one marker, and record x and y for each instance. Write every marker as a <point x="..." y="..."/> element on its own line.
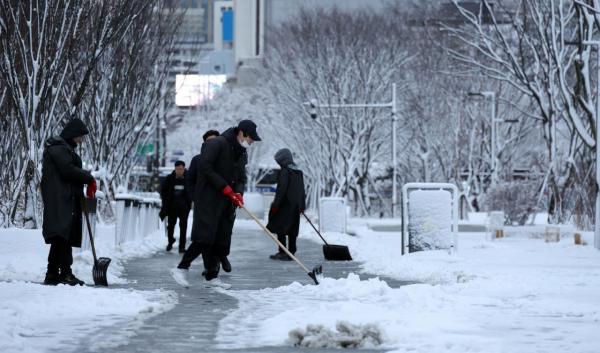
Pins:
<point x="289" y="201"/>
<point x="222" y="161"/>
<point x="62" y="190"/>
<point x="174" y="202"/>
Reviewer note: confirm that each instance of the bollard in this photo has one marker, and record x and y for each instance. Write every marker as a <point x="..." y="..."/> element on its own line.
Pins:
<point x="134" y="232"/>
<point x="552" y="234"/>
<point x="119" y="221"/>
<point x="496" y="224"/>
<point x="136" y="216"/>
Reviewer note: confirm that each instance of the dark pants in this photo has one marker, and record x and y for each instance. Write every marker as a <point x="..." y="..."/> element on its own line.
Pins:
<point x="60" y="256"/>
<point x="211" y="262"/>
<point x="171" y="221"/>
<point x="291" y="245"/>
<point x="211" y="253"/>
<point x="222" y="245"/>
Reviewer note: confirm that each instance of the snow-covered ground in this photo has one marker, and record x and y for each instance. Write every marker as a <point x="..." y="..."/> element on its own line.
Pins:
<point x="36" y="318"/>
<point x="516" y="294"/>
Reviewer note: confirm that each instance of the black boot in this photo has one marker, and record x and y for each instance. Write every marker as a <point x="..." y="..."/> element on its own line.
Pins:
<point x="51" y="279"/>
<point x="212" y="272"/>
<point x="225" y="264"/>
<point x="170" y="244"/>
<point x="280" y="256"/>
<point x="70" y="279"/>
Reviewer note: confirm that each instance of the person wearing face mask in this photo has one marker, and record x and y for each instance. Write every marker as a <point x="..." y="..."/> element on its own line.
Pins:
<point x="217" y="179"/>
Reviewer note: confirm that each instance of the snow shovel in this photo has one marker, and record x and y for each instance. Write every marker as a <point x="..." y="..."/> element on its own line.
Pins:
<point x="101" y="264"/>
<point x="312" y="274"/>
<point x="332" y="252"/>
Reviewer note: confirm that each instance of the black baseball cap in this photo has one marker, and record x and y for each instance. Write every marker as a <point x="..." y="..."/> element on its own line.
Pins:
<point x="249" y="128"/>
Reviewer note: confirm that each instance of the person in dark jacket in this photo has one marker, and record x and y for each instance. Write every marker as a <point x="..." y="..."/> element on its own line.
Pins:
<point x="217" y="179"/>
<point x="62" y="193"/>
<point x="176" y="204"/>
<point x="288" y="204"/>
<point x="225" y="264"/>
<point x="210" y="134"/>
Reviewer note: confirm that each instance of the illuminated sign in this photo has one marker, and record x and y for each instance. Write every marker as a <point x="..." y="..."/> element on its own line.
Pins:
<point x="192" y="90"/>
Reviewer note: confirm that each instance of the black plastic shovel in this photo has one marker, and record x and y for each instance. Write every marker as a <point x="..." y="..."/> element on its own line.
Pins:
<point x="330" y="251"/>
<point x="101" y="264"/>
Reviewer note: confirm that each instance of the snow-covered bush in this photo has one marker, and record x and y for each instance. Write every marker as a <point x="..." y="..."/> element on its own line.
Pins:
<point x="516" y="198"/>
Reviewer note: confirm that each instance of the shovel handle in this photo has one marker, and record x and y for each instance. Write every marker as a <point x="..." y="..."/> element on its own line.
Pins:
<point x="315" y="228"/>
<point x="275" y="239"/>
<point x="89" y="228"/>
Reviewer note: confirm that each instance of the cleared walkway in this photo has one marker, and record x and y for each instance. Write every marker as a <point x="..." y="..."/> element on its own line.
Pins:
<point x="191" y="326"/>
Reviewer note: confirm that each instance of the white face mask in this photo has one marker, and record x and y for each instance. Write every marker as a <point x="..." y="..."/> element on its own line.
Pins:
<point x="245" y="144"/>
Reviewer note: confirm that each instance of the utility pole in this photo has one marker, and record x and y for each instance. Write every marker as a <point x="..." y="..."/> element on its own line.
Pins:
<point x="492" y="96"/>
<point x="313" y="104"/>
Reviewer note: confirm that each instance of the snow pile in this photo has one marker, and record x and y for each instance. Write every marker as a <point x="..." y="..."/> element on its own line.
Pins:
<point x="515" y="294"/>
<point x="37" y="318"/>
<point x="351" y="312"/>
<point x="346" y="335"/>
<point x="370" y="303"/>
<point x="430" y="220"/>
<point x="24" y="255"/>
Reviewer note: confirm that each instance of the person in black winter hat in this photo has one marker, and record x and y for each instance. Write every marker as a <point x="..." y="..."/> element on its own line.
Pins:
<point x="288" y="204"/>
<point x="176" y="204"/>
<point x="62" y="192"/>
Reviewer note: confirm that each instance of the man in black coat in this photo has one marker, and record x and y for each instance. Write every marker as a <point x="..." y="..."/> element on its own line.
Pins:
<point x="62" y="193"/>
<point x="217" y="179"/>
<point x="176" y="204"/>
<point x="289" y="202"/>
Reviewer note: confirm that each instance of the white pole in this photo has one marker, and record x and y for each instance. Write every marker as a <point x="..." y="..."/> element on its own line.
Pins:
<point x="597" y="218"/>
<point x="394" y="172"/>
<point x="493" y="148"/>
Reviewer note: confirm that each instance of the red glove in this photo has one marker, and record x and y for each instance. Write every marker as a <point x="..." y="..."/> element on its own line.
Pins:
<point x="240" y="199"/>
<point x="236" y="198"/>
<point x="91" y="189"/>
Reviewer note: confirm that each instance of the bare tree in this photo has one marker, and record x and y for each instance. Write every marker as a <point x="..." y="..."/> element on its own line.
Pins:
<point x="526" y="45"/>
<point x="335" y="57"/>
<point x="50" y="50"/>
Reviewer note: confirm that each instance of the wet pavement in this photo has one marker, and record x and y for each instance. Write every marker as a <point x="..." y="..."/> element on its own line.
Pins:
<point x="192" y="324"/>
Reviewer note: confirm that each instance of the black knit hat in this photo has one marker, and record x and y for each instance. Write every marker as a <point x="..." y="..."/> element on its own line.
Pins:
<point x="74" y="128"/>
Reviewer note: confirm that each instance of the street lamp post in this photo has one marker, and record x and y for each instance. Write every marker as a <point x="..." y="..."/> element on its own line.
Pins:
<point x="313" y="105"/>
<point x="492" y="96"/>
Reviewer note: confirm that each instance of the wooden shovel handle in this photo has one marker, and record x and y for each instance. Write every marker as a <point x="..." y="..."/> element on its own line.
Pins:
<point x="275" y="239"/>
<point x="89" y="228"/>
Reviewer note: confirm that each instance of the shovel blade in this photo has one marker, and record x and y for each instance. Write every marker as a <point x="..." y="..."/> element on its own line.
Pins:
<point x="317" y="270"/>
<point x="336" y="253"/>
<point x="99" y="271"/>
